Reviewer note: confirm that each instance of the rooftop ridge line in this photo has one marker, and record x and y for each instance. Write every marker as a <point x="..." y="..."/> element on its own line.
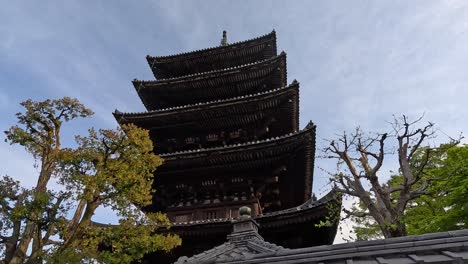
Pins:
<point x="295" y="83"/>
<point x="282" y="54"/>
<point x="415" y="243"/>
<point x="272" y="33"/>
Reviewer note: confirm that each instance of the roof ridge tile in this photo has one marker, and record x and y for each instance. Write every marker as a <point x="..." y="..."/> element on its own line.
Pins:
<point x="208" y="102"/>
<point x="272" y="33"/>
<point x="283" y="54"/>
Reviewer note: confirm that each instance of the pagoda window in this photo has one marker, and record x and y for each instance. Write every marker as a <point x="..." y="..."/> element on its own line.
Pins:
<point x="208" y="182"/>
<point x="170" y="144"/>
<point x="181" y="203"/>
<point x="212" y="137"/>
<point x="244" y="196"/>
<point x="210" y="215"/>
<point x="234" y="134"/>
<point x="234" y="212"/>
<point x="237" y="179"/>
<point x="216" y="199"/>
<point x="182" y="218"/>
<point x="172" y="141"/>
<point x="190" y="140"/>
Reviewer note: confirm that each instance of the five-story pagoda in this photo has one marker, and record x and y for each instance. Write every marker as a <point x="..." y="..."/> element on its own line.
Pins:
<point x="226" y="122"/>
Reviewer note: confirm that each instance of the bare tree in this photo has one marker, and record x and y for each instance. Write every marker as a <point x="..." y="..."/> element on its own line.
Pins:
<point x="363" y="156"/>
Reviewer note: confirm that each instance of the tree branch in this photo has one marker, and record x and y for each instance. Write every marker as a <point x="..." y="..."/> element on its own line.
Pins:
<point x="356" y="214"/>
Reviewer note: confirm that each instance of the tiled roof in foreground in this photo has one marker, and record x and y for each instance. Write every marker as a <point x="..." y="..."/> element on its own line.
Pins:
<point x="444" y="247"/>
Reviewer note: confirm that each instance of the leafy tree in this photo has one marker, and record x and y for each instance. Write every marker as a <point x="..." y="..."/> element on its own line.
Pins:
<point x="366" y="227"/>
<point x="107" y="168"/>
<point x="444" y="207"/>
<point x="363" y="157"/>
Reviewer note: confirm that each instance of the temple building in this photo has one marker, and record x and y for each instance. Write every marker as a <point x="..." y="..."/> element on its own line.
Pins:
<point x="226" y="122"/>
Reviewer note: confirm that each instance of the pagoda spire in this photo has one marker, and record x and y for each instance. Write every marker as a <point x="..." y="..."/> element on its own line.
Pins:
<point x="224" y="39"/>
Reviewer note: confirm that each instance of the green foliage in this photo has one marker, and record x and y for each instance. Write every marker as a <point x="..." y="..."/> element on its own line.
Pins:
<point x="130" y="240"/>
<point x="334" y="210"/>
<point x="114" y="166"/>
<point x="107" y="168"/>
<point x="444" y="207"/>
<point x="38" y="128"/>
<point x="126" y="242"/>
<point x="365" y="227"/>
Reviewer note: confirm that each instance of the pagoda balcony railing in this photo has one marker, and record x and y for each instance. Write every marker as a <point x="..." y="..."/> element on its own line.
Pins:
<point x="212" y="137"/>
<point x="201" y="205"/>
<point x="227" y="210"/>
<point x="235" y="134"/>
<point x="190" y="140"/>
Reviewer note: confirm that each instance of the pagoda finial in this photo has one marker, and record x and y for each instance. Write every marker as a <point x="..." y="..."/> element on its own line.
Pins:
<point x="224" y="39"/>
<point x="244" y="225"/>
<point x="245" y="212"/>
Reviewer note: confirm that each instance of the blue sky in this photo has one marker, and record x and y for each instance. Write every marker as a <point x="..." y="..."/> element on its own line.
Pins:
<point x="358" y="62"/>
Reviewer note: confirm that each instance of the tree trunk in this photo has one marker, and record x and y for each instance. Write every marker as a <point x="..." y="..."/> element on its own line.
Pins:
<point x="20" y="252"/>
<point x="41" y="187"/>
<point x="393" y="230"/>
<point x="79" y="228"/>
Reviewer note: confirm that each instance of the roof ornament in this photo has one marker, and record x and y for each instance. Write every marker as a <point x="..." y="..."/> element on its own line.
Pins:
<point x="243" y="243"/>
<point x="224" y="39"/>
<point x="245" y="212"/>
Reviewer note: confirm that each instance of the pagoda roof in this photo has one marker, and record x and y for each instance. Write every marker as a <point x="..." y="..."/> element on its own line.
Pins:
<point x="216" y="84"/>
<point x="224" y="113"/>
<point x="250" y="155"/>
<point x="263" y="144"/>
<point x="213" y="58"/>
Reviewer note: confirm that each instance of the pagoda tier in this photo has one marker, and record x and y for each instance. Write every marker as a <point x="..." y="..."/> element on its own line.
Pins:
<point x="214" y="58"/>
<point x="245" y="118"/>
<point x="268" y="175"/>
<point x="295" y="227"/>
<point x="213" y="85"/>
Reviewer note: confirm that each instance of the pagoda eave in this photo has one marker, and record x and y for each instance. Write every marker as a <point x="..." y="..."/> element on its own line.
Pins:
<point x="215" y="57"/>
<point x="260" y="155"/>
<point x="255" y="146"/>
<point x="217" y="84"/>
<point x="227" y="114"/>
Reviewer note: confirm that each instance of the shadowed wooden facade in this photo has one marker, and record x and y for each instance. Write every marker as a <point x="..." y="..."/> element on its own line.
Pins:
<point x="226" y="123"/>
